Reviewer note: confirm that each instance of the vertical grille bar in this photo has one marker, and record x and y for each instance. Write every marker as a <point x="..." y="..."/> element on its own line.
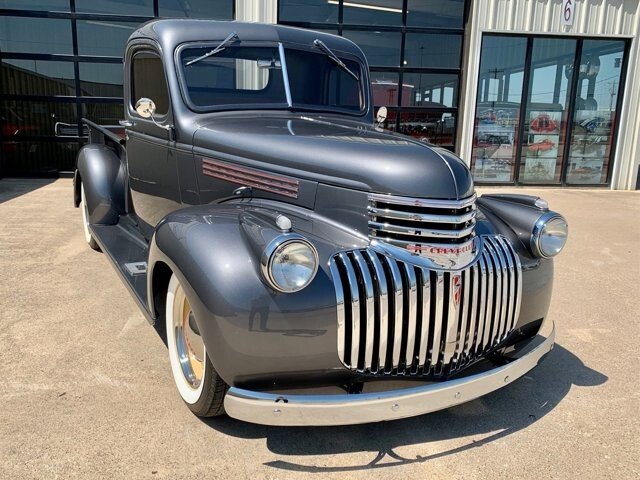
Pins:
<point x="464" y="316"/>
<point x="510" y="290"/>
<point x="437" y="319"/>
<point x="497" y="293"/>
<point x="502" y="292"/>
<point x="451" y="335"/>
<point x="368" y="308"/>
<point x="426" y="311"/>
<point x="383" y="306"/>
<point x="398" y="303"/>
<point x="489" y="303"/>
<point x="483" y="304"/>
<point x="337" y="283"/>
<point x="469" y="347"/>
<point x="355" y="309"/>
<point x="413" y="307"/>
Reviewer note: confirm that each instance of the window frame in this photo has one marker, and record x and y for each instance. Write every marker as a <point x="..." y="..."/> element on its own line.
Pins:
<point x="144" y="48"/>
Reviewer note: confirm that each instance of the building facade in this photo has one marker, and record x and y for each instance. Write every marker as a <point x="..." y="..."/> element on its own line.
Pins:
<point x="527" y="92"/>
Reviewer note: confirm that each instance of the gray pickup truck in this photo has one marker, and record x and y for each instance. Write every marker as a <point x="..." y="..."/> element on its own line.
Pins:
<point x="308" y="267"/>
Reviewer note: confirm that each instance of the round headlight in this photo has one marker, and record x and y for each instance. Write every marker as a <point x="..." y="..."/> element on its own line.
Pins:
<point x="289" y="263"/>
<point x="549" y="235"/>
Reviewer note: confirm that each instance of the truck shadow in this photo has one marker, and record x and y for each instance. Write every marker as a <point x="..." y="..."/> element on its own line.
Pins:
<point x="484" y="420"/>
<point x="16" y="187"/>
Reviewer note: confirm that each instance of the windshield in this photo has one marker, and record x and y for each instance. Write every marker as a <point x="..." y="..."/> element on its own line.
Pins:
<point x="252" y="77"/>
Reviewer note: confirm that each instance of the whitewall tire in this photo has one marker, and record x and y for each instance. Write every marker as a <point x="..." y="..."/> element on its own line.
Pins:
<point x="88" y="236"/>
<point x="198" y="383"/>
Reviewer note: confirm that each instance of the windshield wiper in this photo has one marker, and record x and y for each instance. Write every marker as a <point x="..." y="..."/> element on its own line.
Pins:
<point x="327" y="51"/>
<point x="233" y="37"/>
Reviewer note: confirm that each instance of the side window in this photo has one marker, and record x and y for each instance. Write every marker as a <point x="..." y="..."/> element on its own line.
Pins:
<point x="148" y="80"/>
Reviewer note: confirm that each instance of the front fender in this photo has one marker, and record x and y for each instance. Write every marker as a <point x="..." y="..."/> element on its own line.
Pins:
<point x="103" y="176"/>
<point x="254" y="335"/>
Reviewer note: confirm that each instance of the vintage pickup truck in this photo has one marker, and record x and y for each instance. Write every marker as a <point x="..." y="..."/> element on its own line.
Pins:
<point x="308" y="267"/>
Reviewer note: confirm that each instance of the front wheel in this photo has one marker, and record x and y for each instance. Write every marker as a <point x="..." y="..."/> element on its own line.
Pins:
<point x="198" y="383"/>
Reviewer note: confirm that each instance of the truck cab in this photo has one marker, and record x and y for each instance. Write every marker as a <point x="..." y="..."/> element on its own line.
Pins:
<point x="301" y="260"/>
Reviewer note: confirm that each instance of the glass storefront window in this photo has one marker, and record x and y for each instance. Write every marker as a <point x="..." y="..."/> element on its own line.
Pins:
<point x="35" y="35"/>
<point x="101" y="79"/>
<point x="498" y="108"/>
<point x="545" y="118"/>
<point x="430" y="127"/>
<point x="37" y="77"/>
<point x="432" y="50"/>
<point x="39" y="158"/>
<point x="382" y="49"/>
<point x="42" y="5"/>
<point x="435" y="13"/>
<point x="217" y="9"/>
<point x="595" y="112"/>
<point x="373" y="12"/>
<point x="429" y="90"/>
<point x="143" y="8"/>
<point x="35" y="118"/>
<point x="315" y="11"/>
<point x="384" y="86"/>
<point x="103" y="113"/>
<point x="102" y="38"/>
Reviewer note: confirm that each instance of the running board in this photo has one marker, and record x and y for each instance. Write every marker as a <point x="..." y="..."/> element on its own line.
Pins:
<point x="127" y="252"/>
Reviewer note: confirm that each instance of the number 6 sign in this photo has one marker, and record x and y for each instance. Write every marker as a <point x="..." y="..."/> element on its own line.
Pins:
<point x="568" y="11"/>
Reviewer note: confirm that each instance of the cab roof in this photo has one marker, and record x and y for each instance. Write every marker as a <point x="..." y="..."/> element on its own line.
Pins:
<point x="169" y="33"/>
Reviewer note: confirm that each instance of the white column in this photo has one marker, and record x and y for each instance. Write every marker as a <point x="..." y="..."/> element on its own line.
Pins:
<point x="264" y="11"/>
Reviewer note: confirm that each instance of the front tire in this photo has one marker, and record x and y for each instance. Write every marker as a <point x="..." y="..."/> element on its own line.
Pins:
<point x="88" y="236"/>
<point x="199" y="385"/>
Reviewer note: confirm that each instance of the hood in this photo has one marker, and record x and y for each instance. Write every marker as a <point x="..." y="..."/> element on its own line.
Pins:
<point x="340" y="153"/>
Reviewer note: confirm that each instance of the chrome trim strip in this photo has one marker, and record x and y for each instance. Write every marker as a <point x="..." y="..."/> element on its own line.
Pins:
<point x="369" y="308"/>
<point x="422" y="202"/>
<point x="426" y="313"/>
<point x="398" y="304"/>
<point x="329" y="410"/>
<point x="355" y="310"/>
<point x="421" y="217"/>
<point x="383" y="304"/>
<point x="376" y="227"/>
<point x="412" y="314"/>
<point x="285" y="75"/>
<point x="437" y="327"/>
<point x="337" y="283"/>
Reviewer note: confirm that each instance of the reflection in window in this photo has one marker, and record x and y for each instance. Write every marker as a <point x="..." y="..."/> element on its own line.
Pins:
<point x="318" y="11"/>
<point x="430" y="90"/>
<point x="51" y="5"/>
<point x="429" y="127"/>
<point x="372" y="12"/>
<point x="35" y="35"/>
<point x="38" y="158"/>
<point x="101" y="79"/>
<point x="381" y="48"/>
<point x="29" y="118"/>
<point x="143" y="8"/>
<point x="384" y="86"/>
<point x="103" y="113"/>
<point x="498" y="108"/>
<point x="595" y="112"/>
<point x="37" y="77"/>
<point x="432" y="50"/>
<point x="148" y="81"/>
<point x="545" y="117"/>
<point x="435" y="13"/>
<point x="97" y="37"/>
<point x="217" y="9"/>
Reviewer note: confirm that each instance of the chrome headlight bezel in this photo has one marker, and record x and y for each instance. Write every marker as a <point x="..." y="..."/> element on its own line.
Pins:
<point x="270" y="253"/>
<point x="537" y="235"/>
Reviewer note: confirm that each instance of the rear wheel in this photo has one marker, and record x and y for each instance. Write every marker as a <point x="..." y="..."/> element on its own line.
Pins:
<point x="88" y="236"/>
<point x="198" y="383"/>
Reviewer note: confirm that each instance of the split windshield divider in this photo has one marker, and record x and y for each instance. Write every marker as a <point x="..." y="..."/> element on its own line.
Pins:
<point x="285" y="75"/>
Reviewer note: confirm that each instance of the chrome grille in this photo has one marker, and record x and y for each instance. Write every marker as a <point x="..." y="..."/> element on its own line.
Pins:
<point x="399" y="318"/>
<point x="414" y="223"/>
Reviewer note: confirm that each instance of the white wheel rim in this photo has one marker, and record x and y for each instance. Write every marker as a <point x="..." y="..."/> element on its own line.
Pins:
<point x="186" y="349"/>
<point x="85" y="215"/>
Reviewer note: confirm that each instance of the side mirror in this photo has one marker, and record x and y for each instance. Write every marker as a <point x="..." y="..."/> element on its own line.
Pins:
<point x="381" y="116"/>
<point x="145" y="107"/>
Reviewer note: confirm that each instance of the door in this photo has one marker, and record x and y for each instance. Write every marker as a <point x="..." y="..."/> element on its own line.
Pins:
<point x="153" y="177"/>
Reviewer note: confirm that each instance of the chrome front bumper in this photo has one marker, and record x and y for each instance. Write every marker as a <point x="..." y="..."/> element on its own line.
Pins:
<point x="347" y="409"/>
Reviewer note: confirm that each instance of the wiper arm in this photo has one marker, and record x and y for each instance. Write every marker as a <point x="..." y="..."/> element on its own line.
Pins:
<point x="233" y="37"/>
<point x="327" y="51"/>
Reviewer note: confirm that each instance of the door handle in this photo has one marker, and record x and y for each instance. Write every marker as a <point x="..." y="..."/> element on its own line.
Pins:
<point x="126" y="123"/>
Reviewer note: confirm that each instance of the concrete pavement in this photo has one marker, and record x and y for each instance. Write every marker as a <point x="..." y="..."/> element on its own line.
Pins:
<point x="86" y="390"/>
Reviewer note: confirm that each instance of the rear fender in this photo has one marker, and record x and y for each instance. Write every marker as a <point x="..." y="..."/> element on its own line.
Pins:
<point x="103" y="176"/>
<point x="253" y="334"/>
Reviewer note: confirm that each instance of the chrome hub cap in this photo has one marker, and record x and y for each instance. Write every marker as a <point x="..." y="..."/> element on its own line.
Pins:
<point x="189" y="344"/>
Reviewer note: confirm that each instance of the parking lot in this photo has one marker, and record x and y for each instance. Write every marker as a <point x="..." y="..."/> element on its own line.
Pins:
<point x="86" y="389"/>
